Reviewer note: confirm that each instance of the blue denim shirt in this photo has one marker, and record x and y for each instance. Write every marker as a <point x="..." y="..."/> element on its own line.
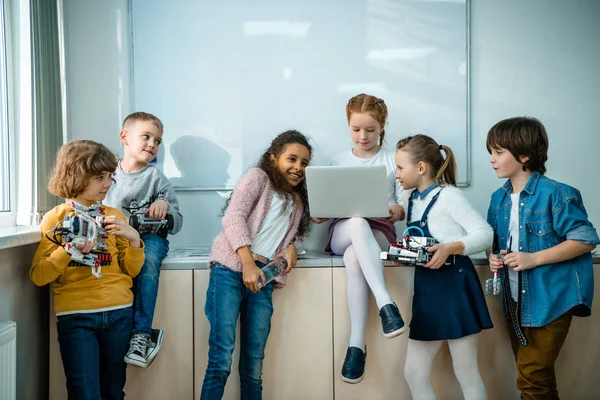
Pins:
<point x="550" y="212"/>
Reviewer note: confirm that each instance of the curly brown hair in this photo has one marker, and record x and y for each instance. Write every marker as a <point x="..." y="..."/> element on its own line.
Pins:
<point x="523" y="137"/>
<point x="367" y="104"/>
<point x="76" y="163"/>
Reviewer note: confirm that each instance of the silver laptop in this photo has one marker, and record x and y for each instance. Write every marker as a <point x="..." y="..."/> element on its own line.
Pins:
<point x="343" y="192"/>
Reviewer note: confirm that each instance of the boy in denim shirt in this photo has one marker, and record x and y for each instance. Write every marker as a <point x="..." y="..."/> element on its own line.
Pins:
<point x="544" y="228"/>
<point x="139" y="183"/>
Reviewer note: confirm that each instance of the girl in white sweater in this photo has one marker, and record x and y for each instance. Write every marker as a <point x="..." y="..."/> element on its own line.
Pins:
<point x="448" y="302"/>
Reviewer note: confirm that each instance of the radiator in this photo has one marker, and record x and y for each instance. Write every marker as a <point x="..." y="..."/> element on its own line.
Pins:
<point x="8" y="361"/>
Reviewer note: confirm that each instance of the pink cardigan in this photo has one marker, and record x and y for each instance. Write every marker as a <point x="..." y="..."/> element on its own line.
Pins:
<point x="249" y="205"/>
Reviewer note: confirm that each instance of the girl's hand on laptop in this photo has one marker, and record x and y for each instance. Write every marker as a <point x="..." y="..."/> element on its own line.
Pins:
<point x="158" y="209"/>
<point x="291" y="256"/>
<point x="319" y="220"/>
<point x="396" y="213"/>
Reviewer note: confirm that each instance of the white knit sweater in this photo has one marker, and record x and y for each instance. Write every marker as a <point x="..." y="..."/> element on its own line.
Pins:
<point x="452" y="219"/>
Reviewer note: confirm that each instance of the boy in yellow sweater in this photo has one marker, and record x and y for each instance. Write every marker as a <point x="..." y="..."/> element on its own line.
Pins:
<point x="93" y="310"/>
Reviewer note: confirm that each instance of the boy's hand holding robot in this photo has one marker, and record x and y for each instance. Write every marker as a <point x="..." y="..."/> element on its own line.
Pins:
<point x="151" y="217"/>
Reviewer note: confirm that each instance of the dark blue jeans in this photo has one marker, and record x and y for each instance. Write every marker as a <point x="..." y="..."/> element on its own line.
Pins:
<point x="145" y="285"/>
<point x="226" y="299"/>
<point x="92" y="347"/>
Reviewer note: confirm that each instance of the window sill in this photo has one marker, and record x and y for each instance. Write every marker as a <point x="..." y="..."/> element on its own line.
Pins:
<point x="14" y="236"/>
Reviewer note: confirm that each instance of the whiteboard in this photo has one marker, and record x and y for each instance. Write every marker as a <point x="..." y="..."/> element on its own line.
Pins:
<point x="227" y="76"/>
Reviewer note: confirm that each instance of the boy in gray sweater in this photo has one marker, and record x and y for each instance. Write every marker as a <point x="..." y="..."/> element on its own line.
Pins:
<point x="139" y="185"/>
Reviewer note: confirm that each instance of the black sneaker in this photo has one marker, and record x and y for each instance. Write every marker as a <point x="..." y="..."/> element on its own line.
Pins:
<point x="136" y="355"/>
<point x="154" y="345"/>
<point x="353" y="370"/>
<point x="391" y="321"/>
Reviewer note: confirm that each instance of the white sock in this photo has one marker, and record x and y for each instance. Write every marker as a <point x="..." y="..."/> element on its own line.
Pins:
<point x="417" y="370"/>
<point x="358" y="233"/>
<point x="358" y="294"/>
<point x="466" y="367"/>
<point x="420" y="355"/>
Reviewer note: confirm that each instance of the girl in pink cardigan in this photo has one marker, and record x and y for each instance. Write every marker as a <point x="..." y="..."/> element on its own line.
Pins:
<point x="266" y="213"/>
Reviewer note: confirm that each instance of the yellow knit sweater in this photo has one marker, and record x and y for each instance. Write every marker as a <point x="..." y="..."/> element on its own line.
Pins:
<point x="75" y="288"/>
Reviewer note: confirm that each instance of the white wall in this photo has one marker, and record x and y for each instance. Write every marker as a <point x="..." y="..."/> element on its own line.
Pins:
<point x="270" y="65"/>
<point x="26" y="304"/>
<point x="537" y="58"/>
<point x="98" y="70"/>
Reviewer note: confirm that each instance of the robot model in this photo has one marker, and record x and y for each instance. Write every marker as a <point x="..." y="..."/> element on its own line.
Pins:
<point x="141" y="222"/>
<point x="80" y="225"/>
<point x="412" y="250"/>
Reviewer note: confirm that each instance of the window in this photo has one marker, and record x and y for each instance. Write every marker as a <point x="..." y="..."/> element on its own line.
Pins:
<point x="5" y="165"/>
<point x="16" y="134"/>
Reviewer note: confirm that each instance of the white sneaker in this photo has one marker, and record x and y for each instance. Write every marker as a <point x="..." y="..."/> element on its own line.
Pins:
<point x="138" y="348"/>
<point x="154" y="345"/>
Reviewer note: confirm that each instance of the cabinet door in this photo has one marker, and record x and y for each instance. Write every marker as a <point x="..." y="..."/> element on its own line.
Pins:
<point x="384" y="372"/>
<point x="201" y="331"/>
<point x="299" y="356"/>
<point x="171" y="374"/>
<point x="579" y="361"/>
<point x="58" y="383"/>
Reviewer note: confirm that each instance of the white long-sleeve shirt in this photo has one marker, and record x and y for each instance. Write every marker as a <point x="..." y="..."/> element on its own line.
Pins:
<point x="452" y="219"/>
<point x="385" y="158"/>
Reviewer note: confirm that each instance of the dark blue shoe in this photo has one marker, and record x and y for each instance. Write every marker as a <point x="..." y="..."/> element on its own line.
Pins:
<point x="391" y="321"/>
<point x="353" y="370"/>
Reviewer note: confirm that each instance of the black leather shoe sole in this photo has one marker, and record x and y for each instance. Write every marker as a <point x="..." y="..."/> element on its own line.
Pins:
<point x="397" y="332"/>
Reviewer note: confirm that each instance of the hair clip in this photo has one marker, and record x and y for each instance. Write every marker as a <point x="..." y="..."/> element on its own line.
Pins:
<point x="441" y="147"/>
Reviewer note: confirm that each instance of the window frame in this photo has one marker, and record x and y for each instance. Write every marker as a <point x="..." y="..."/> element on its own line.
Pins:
<point x="7" y="147"/>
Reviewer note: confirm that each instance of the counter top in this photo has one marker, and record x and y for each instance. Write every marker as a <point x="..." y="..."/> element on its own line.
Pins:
<point x="14" y="236"/>
<point x="197" y="258"/>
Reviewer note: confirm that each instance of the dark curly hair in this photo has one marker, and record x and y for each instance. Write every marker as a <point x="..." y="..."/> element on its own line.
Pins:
<point x="280" y="185"/>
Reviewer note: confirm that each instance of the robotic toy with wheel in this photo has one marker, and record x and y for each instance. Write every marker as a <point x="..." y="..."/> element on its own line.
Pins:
<point x="141" y="222"/>
<point x="80" y="225"/>
<point x="412" y="250"/>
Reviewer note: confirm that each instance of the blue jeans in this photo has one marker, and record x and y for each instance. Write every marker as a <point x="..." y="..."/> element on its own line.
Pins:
<point x="226" y="299"/>
<point x="92" y="347"/>
<point x="145" y="285"/>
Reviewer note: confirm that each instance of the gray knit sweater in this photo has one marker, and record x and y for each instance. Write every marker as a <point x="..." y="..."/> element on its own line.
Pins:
<point x="142" y="185"/>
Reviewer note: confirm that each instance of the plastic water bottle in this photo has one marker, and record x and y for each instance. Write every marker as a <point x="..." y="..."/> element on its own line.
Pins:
<point x="272" y="270"/>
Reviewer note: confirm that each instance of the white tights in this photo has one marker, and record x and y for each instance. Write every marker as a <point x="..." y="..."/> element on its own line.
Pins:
<point x="361" y="247"/>
<point x="419" y="358"/>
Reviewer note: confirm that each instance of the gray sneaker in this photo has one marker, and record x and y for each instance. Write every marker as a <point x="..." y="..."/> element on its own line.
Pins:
<point x="154" y="345"/>
<point x="138" y="348"/>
